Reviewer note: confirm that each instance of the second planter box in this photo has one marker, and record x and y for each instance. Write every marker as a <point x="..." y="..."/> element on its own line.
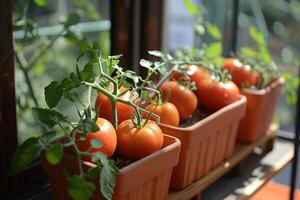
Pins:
<point x="205" y="144"/>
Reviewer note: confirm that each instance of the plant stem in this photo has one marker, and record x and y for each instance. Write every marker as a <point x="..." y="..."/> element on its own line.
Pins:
<point x="114" y="113"/>
<point x="41" y="53"/>
<point x="22" y="63"/>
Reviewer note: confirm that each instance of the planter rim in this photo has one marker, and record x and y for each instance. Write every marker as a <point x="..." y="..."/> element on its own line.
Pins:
<point x="237" y="103"/>
<point x="123" y="170"/>
<point x="278" y="81"/>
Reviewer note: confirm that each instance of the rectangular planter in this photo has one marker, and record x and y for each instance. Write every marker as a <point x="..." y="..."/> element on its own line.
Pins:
<point x="206" y="143"/>
<point x="147" y="178"/>
<point x="261" y="106"/>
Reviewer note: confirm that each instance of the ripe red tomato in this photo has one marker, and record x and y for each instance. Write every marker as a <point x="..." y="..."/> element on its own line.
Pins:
<point x="167" y="112"/>
<point x="215" y="95"/>
<point x="105" y="110"/>
<point x="196" y="74"/>
<point x="183" y="98"/>
<point x="242" y="75"/>
<point x="106" y="134"/>
<point x="138" y="142"/>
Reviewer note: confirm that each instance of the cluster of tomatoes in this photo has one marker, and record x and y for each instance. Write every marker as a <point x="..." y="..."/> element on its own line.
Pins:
<point x="136" y="142"/>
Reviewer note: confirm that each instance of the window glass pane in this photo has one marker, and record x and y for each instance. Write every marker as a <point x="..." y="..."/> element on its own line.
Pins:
<point x="279" y="22"/>
<point x="47" y="36"/>
<point x="179" y="24"/>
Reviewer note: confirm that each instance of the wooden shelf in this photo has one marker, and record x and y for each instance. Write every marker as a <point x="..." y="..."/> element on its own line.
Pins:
<point x="275" y="160"/>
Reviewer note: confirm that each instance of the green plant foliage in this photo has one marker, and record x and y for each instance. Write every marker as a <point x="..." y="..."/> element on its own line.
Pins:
<point x="53" y="93"/>
<point x="79" y="188"/>
<point x="47" y="117"/>
<point x="192" y="8"/>
<point x="54" y="153"/>
<point x="40" y="3"/>
<point x="24" y="155"/>
<point x="213" y="31"/>
<point x="108" y="178"/>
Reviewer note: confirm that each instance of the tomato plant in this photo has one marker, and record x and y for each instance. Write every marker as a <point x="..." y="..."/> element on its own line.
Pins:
<point x="167" y="112"/>
<point x="242" y="75"/>
<point x="182" y="97"/>
<point x="214" y="95"/>
<point x="195" y="73"/>
<point x="139" y="141"/>
<point x="104" y="106"/>
<point x="106" y="134"/>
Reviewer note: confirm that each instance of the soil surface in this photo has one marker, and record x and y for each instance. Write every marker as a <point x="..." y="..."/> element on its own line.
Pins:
<point x="200" y="114"/>
<point x="121" y="161"/>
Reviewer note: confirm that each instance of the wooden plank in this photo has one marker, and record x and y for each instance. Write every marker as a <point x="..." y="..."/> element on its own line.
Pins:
<point x="269" y="166"/>
<point x="240" y="153"/>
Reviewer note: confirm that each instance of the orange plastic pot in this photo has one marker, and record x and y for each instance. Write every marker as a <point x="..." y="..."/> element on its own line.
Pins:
<point x="206" y="143"/>
<point x="147" y="178"/>
<point x="261" y="106"/>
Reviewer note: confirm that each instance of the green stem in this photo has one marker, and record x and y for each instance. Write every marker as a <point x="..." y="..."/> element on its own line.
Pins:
<point x="22" y="64"/>
<point x="114" y="113"/>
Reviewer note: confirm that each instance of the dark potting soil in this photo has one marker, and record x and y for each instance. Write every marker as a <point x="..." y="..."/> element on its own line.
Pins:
<point x="200" y="114"/>
<point x="121" y="161"/>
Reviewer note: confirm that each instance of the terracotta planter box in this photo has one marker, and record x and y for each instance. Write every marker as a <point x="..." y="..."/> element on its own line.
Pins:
<point x="261" y="106"/>
<point x="146" y="179"/>
<point x="206" y="143"/>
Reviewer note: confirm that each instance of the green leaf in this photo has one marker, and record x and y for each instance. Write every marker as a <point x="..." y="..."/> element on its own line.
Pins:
<point x="96" y="143"/>
<point x="79" y="188"/>
<point x="41" y="3"/>
<point x="99" y="157"/>
<point x="87" y="8"/>
<point x="92" y="173"/>
<point x="192" y="8"/>
<point x="145" y="63"/>
<point x="47" y="117"/>
<point x="87" y="126"/>
<point x="213" y="31"/>
<point x="54" y="154"/>
<point x="248" y="52"/>
<point x="24" y="155"/>
<point x="107" y="177"/>
<point x="256" y="35"/>
<point x="87" y="73"/>
<point x="53" y="94"/>
<point x="214" y="50"/>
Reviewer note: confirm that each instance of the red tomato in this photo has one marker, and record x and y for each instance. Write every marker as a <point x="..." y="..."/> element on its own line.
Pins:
<point x="167" y="112"/>
<point x="242" y="75"/>
<point x="105" y="110"/>
<point x="135" y="143"/>
<point x="106" y="134"/>
<point x="215" y="95"/>
<point x="183" y="98"/>
<point x="195" y="73"/>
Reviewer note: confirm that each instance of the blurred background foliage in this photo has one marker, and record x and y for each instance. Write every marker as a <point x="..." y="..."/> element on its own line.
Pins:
<point x="47" y="37"/>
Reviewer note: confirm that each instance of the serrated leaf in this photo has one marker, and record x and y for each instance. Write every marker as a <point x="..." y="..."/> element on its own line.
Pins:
<point x="53" y="93"/>
<point x="96" y="144"/>
<point x="98" y="157"/>
<point x="54" y="153"/>
<point x="79" y="188"/>
<point x="107" y="177"/>
<point x="24" y="155"/>
<point x="213" y="31"/>
<point x="47" y="117"/>
<point x="145" y="63"/>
